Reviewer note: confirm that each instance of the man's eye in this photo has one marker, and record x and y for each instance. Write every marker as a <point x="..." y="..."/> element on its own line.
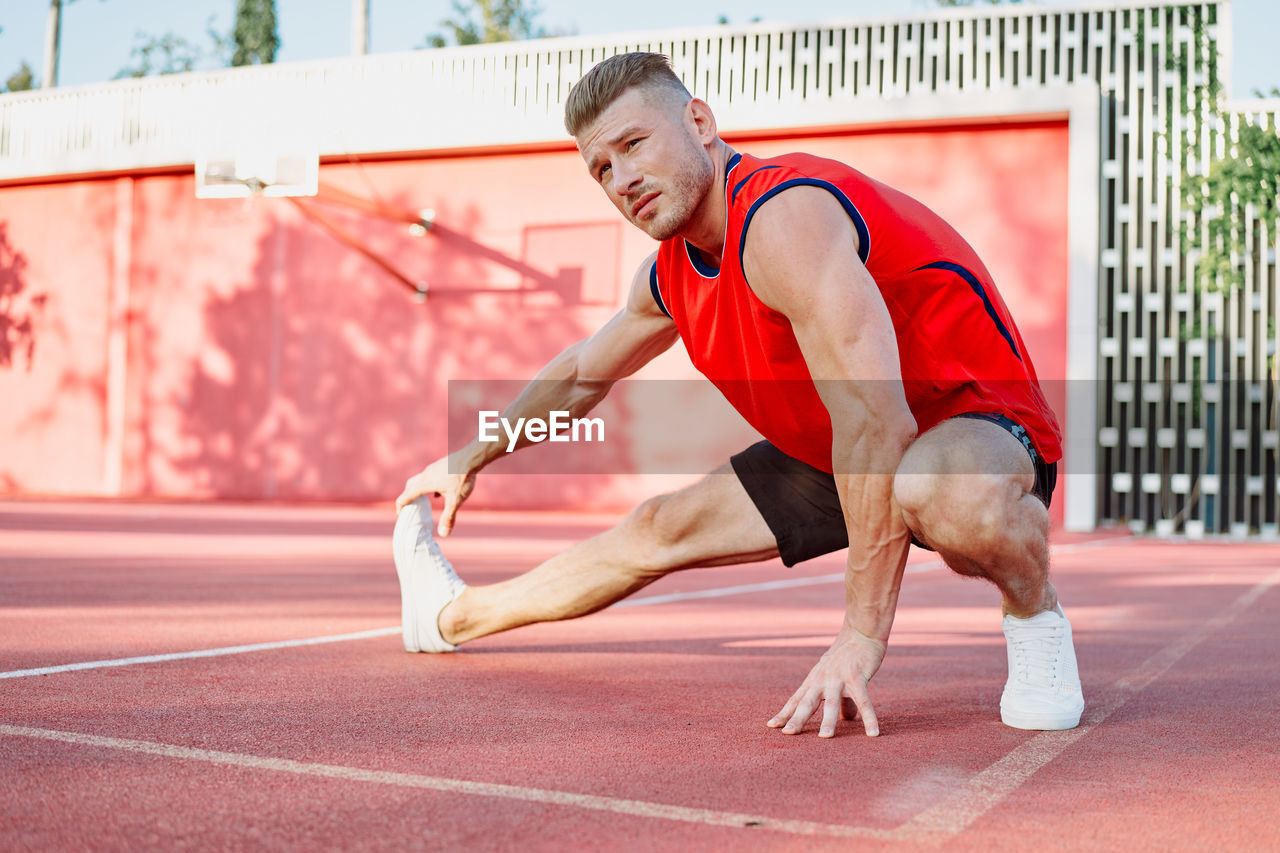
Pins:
<point x="633" y="143"/>
<point x="604" y="170"/>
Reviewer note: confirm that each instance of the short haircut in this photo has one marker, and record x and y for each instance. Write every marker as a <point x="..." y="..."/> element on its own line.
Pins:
<point x="604" y="83"/>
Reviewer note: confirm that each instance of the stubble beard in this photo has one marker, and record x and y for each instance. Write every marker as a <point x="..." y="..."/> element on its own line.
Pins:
<point x="688" y="189"/>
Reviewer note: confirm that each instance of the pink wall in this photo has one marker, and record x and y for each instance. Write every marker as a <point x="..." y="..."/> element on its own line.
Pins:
<point x="250" y="355"/>
<point x="55" y="262"/>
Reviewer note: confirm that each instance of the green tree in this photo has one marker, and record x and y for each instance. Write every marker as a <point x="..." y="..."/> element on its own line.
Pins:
<point x="487" y="21"/>
<point x="166" y="54"/>
<point x="171" y="53"/>
<point x="1249" y="175"/>
<point x="21" y="80"/>
<point x="1217" y="197"/>
<point x="254" y="35"/>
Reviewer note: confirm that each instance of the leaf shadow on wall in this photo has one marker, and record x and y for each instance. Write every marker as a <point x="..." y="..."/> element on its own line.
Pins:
<point x="17" y="309"/>
<point x="322" y="378"/>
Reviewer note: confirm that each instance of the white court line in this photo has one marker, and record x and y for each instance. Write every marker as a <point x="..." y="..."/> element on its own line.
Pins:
<point x="982" y="792"/>
<point x="386" y="632"/>
<point x="202" y="653"/>
<point x="935" y="825"/>
<point x="634" y="808"/>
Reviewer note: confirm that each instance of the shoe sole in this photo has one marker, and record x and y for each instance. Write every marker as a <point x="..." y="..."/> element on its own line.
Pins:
<point x="403" y="553"/>
<point x="1041" y="722"/>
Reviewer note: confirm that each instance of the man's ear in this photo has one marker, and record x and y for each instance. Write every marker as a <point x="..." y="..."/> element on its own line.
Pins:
<point x="704" y="121"/>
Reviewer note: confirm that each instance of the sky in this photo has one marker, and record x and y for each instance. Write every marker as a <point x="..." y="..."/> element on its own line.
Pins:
<point x="98" y="35"/>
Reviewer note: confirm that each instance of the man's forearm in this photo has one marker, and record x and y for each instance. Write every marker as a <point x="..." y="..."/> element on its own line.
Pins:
<point x="556" y="388"/>
<point x="878" y="536"/>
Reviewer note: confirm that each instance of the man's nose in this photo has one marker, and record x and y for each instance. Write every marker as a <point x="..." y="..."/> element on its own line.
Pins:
<point x="625" y="179"/>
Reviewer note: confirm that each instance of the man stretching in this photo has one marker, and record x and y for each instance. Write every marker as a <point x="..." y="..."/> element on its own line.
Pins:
<point x="859" y="334"/>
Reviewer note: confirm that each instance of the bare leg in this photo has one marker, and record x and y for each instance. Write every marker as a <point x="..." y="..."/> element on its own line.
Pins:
<point x="964" y="487"/>
<point x="965" y="490"/>
<point x="710" y="523"/>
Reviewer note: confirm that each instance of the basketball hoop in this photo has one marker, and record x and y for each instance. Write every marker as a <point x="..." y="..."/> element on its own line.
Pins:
<point x="271" y="174"/>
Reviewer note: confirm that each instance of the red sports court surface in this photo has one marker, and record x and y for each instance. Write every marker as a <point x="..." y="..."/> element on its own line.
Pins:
<point x="639" y="728"/>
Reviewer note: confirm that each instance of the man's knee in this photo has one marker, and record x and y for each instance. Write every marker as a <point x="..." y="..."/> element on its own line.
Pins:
<point x="660" y="533"/>
<point x="913" y="492"/>
<point x="945" y="507"/>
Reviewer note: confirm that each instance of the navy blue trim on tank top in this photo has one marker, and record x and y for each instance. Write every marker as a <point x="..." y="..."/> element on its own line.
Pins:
<point x="981" y="291"/>
<point x="695" y="257"/>
<point x="859" y="224"/>
<point x="657" y="294"/>
<point x="739" y="184"/>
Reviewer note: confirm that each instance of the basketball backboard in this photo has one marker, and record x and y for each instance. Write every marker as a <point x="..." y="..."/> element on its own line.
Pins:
<point x="257" y="171"/>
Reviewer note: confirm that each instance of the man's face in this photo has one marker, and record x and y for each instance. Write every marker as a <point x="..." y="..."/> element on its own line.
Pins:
<point x="646" y="155"/>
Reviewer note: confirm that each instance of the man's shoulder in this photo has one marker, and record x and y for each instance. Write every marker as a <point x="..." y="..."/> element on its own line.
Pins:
<point x="796" y="162"/>
<point x="751" y="179"/>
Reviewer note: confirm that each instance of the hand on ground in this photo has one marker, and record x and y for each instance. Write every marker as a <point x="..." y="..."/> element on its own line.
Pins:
<point x="837" y="684"/>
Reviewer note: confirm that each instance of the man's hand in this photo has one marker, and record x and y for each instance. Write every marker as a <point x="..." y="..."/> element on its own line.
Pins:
<point x="437" y="479"/>
<point x="841" y="675"/>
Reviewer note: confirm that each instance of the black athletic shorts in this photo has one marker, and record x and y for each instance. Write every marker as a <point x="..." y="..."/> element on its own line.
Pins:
<point x="802" y="507"/>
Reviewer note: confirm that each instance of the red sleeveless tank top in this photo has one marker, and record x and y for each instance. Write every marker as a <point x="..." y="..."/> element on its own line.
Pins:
<point x="957" y="345"/>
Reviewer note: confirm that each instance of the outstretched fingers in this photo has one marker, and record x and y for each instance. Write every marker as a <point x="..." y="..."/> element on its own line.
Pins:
<point x="857" y="693"/>
<point x="805" y="702"/>
<point x="804" y="710"/>
<point x="837" y="684"/>
<point x="789" y="711"/>
<point x="830" y="711"/>
<point x="841" y="702"/>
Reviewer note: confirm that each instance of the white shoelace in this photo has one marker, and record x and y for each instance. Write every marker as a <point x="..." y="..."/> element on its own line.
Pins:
<point x="455" y="583"/>
<point x="1036" y="652"/>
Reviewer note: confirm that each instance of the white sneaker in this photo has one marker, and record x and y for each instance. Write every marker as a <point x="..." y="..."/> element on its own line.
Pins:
<point x="427" y="580"/>
<point x="1043" y="690"/>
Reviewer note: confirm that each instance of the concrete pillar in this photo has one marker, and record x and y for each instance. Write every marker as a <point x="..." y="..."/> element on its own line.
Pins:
<point x="359" y="27"/>
<point x="52" y="37"/>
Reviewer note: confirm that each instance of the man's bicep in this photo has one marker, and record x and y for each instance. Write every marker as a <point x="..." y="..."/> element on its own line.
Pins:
<point x="634" y="336"/>
<point x="801" y="259"/>
<point x="804" y="264"/>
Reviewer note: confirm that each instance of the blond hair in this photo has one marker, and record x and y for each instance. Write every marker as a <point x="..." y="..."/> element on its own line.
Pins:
<point x="604" y="83"/>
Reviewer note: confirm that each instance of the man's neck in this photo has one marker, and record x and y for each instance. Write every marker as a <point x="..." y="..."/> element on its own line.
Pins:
<point x="707" y="225"/>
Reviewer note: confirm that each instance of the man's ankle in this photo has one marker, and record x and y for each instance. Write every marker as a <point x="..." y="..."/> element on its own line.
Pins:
<point x="1033" y="605"/>
<point x="450" y="621"/>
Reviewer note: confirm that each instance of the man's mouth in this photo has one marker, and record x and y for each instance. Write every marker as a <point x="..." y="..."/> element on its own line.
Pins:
<point x="644" y="205"/>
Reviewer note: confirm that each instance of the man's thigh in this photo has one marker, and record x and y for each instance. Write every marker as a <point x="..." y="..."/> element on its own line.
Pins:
<point x="969" y="446"/>
<point x="962" y="471"/>
<point x="801" y="506"/>
<point x="712" y="522"/>
<point x="973" y="447"/>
